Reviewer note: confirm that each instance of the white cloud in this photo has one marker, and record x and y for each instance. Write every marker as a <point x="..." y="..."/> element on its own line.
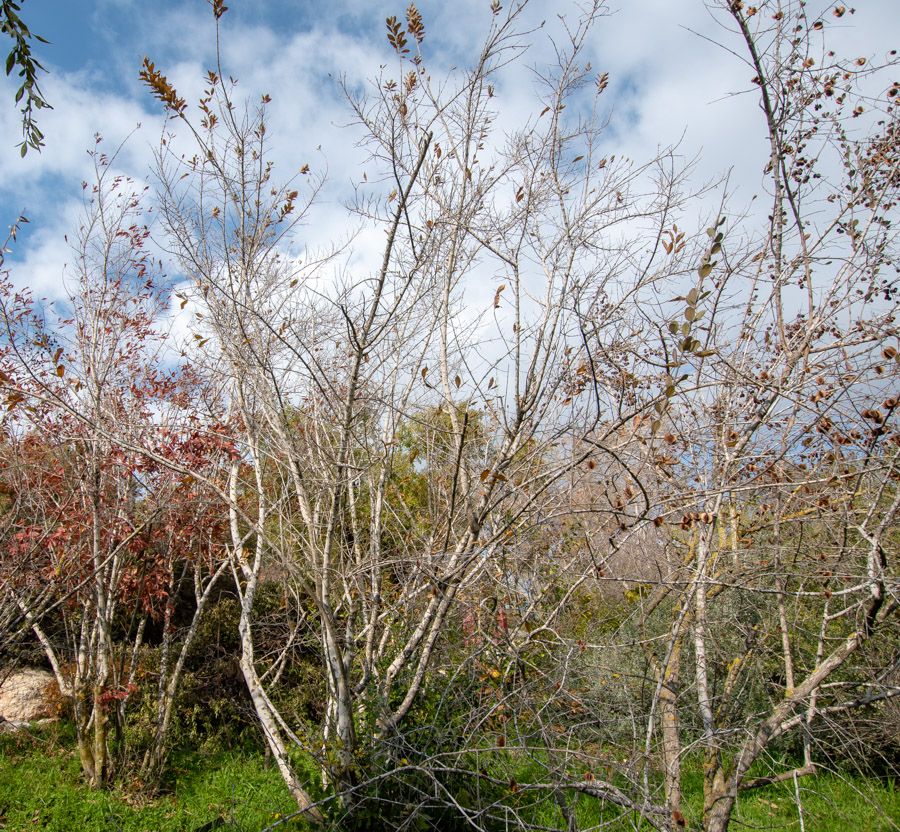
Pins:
<point x="669" y="83"/>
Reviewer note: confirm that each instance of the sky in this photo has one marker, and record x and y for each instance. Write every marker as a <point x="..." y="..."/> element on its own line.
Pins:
<point x="676" y="78"/>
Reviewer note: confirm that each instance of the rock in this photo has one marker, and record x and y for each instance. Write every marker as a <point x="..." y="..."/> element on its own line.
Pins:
<point x="28" y="694"/>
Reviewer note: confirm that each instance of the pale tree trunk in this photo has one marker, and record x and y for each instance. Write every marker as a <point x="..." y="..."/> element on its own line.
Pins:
<point x="713" y="775"/>
<point x="270" y="726"/>
<point x="82" y="701"/>
<point x="99" y="661"/>
<point x="248" y="572"/>
<point x="718" y="808"/>
<point x="669" y="729"/>
<point x="340" y="729"/>
<point x="719" y="804"/>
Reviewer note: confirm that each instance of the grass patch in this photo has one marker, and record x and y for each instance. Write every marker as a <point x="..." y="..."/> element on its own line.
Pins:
<point x="41" y="789"/>
<point x="827" y="802"/>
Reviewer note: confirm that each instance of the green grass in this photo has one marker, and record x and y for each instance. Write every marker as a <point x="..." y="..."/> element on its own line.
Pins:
<point x="828" y="802"/>
<point x="41" y="789"/>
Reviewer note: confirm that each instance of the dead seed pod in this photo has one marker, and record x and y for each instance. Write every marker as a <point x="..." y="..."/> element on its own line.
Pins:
<point x="889" y="353"/>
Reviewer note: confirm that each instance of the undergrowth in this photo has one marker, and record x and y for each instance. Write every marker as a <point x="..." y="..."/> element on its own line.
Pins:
<point x="41" y="789"/>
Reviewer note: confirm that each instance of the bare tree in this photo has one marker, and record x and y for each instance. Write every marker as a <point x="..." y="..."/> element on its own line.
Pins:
<point x="770" y="429"/>
<point x="326" y="374"/>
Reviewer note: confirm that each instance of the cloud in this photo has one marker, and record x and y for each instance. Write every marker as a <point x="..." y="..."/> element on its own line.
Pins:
<point x="672" y="82"/>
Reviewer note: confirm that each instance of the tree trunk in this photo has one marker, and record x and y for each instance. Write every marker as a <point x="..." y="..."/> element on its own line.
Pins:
<point x="168" y="687"/>
<point x="80" y="708"/>
<point x="671" y="736"/>
<point x="270" y="726"/>
<point x="717" y="813"/>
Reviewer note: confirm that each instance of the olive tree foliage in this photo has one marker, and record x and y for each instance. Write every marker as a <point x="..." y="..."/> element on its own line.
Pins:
<point x="466" y="330"/>
<point x="21" y="58"/>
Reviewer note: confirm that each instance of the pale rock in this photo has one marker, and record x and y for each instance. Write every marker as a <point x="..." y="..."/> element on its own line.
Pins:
<point x="28" y="694"/>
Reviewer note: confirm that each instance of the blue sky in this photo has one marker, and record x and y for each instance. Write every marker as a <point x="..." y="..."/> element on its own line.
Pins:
<point x="668" y="84"/>
<point x="94" y="34"/>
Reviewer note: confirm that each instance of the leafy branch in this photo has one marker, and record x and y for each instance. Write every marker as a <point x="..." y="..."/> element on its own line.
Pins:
<point x="20" y="57"/>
